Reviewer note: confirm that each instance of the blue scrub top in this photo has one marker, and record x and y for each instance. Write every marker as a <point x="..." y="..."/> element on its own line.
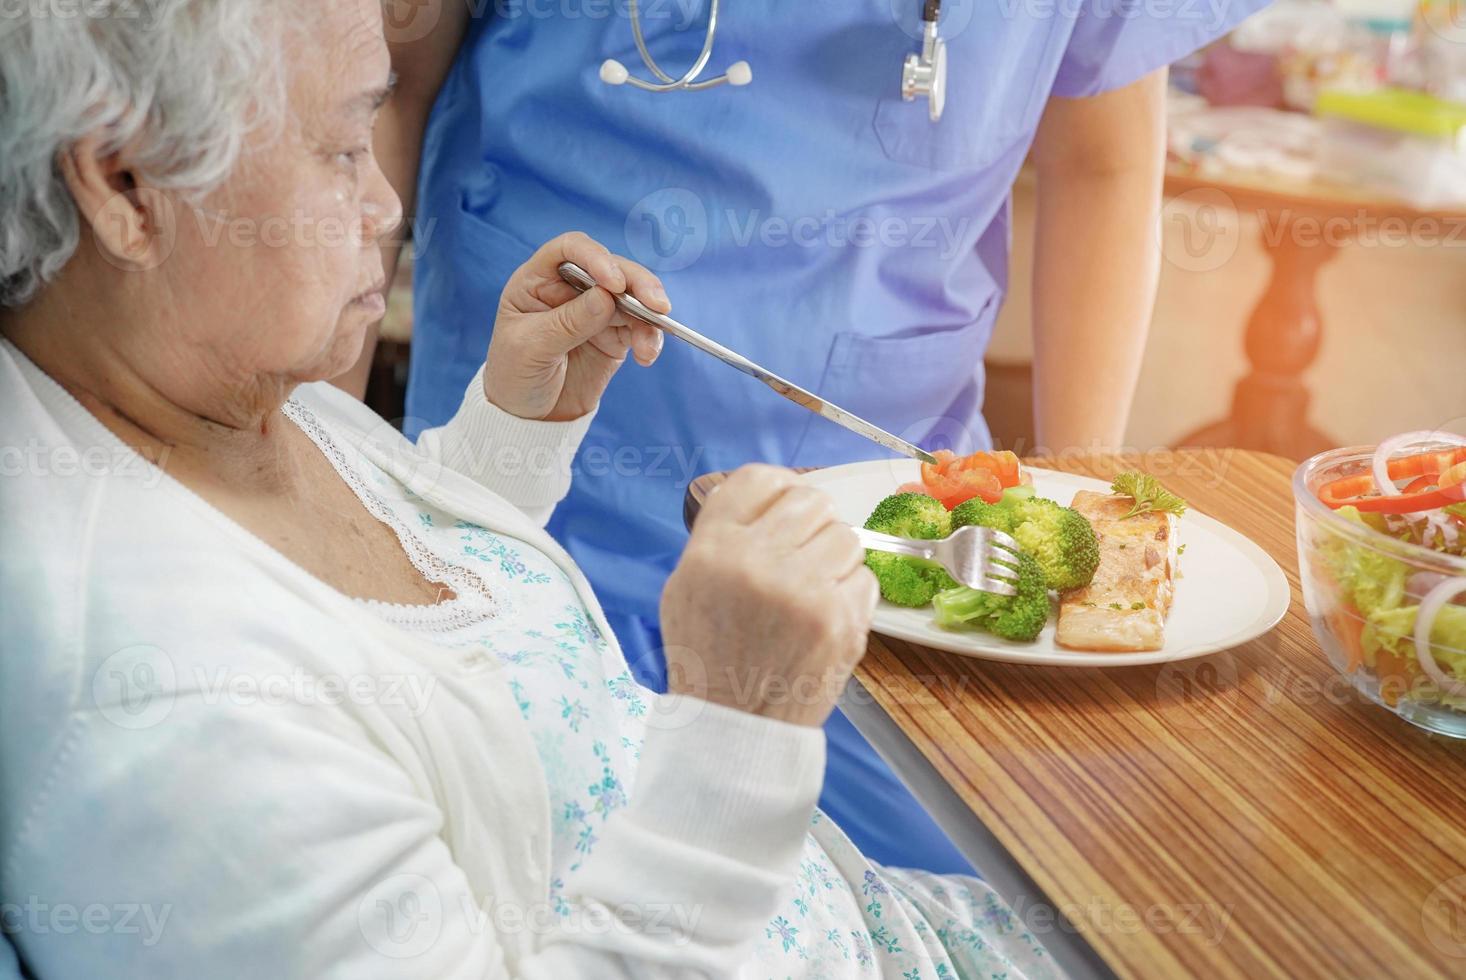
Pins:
<point x="811" y="220"/>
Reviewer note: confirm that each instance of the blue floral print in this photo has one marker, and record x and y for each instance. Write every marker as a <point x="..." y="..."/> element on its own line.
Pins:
<point x="841" y="917"/>
<point x="788" y="935"/>
<point x="489" y="547"/>
<point x="574" y="712"/>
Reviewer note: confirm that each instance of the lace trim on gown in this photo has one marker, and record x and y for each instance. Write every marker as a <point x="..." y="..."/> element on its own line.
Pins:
<point x="472" y="603"/>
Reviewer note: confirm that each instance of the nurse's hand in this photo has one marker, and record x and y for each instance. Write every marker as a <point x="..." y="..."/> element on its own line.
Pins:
<point x="554" y="350"/>
<point x="769" y="608"/>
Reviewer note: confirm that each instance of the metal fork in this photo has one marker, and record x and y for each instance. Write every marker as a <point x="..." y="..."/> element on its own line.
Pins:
<point x="971" y="555"/>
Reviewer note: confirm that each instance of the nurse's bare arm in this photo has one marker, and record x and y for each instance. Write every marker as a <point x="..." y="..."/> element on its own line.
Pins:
<point x="424" y="37"/>
<point x="1100" y="163"/>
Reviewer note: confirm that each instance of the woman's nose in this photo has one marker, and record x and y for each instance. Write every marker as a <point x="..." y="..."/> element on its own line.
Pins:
<point x="381" y="209"/>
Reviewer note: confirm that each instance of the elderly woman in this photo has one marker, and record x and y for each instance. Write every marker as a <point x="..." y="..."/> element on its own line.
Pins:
<point x="286" y="696"/>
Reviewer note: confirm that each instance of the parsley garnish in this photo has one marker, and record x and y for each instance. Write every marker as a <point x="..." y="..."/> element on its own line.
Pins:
<point x="1148" y="493"/>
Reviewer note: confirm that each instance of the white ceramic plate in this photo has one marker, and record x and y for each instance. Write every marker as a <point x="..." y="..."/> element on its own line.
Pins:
<point x="1229" y="592"/>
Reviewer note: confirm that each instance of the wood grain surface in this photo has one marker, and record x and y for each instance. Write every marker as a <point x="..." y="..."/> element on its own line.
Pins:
<point x="1240" y="815"/>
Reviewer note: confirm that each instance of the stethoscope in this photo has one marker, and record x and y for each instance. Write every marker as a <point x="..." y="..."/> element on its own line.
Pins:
<point x="923" y="74"/>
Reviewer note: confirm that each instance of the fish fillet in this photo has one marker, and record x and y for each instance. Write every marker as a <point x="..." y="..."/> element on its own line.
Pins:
<point x="1124" y="608"/>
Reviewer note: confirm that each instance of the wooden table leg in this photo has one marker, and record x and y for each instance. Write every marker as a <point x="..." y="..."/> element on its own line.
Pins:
<point x="1270" y="405"/>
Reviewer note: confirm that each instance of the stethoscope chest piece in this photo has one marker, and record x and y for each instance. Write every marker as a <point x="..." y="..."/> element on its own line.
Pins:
<point x="924" y="74"/>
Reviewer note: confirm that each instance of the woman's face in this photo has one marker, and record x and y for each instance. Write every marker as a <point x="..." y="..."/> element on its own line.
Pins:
<point x="276" y="276"/>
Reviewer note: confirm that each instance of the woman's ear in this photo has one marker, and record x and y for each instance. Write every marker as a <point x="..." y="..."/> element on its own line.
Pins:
<point x="132" y="225"/>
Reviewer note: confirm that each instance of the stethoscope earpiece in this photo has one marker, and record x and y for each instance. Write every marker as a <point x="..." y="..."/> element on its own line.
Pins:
<point x="739" y="74"/>
<point x="614" y="72"/>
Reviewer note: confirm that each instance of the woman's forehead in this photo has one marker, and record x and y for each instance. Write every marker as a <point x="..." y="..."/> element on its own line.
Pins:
<point x="343" y="54"/>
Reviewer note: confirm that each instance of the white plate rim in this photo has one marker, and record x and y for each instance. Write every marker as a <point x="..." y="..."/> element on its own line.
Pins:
<point x="984" y="647"/>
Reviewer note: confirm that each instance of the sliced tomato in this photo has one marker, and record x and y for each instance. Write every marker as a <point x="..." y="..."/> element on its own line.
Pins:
<point x="984" y="483"/>
<point x="1010" y="473"/>
<point x="946" y="492"/>
<point x="932" y="472"/>
<point x="939" y="486"/>
<point x="955" y="488"/>
<point x="977" y="461"/>
<point x="1003" y="466"/>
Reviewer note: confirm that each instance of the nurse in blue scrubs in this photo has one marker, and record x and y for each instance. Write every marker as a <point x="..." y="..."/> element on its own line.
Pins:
<point x="814" y="220"/>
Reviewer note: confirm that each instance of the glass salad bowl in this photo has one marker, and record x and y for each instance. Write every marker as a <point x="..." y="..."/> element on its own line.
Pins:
<point x="1387" y="591"/>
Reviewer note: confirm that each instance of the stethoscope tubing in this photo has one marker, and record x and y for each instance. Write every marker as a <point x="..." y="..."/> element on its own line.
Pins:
<point x="923" y="74"/>
<point x="689" y="79"/>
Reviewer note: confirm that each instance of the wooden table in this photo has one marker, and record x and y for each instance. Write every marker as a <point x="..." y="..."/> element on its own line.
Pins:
<point x="1241" y="815"/>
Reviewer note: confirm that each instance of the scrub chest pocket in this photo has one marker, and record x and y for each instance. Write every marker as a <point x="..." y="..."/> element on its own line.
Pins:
<point x="916" y="387"/>
<point x="492" y="256"/>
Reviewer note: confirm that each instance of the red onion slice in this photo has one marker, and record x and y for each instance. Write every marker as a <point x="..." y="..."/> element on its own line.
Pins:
<point x="1430" y="607"/>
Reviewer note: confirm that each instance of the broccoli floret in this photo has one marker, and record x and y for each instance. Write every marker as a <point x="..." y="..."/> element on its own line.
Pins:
<point x="911" y="515"/>
<point x="1060" y="538"/>
<point x="909" y="581"/>
<point x="906" y="581"/>
<point x="963" y="606"/>
<point x="979" y="513"/>
<point x="942" y="580"/>
<point x="1062" y="541"/>
<point x="1019" y="617"/>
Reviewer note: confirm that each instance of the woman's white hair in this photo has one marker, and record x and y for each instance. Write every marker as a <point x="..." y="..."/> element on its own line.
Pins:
<point x="180" y="82"/>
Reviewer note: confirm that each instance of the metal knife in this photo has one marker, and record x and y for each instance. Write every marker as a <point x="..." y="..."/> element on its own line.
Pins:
<point x="629" y="305"/>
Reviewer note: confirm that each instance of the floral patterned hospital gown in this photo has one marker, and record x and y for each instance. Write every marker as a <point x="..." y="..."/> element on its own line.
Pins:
<point x="842" y="916"/>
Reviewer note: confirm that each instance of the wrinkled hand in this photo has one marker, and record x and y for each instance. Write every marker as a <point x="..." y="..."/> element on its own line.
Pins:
<point x="554" y="349"/>
<point x="769" y="608"/>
